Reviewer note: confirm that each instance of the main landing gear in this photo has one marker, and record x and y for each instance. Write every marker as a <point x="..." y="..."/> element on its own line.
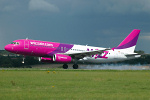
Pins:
<point x="75" y="66"/>
<point x="65" y="66"/>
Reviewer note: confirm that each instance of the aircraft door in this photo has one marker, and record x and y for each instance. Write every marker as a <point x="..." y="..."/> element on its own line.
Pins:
<point x="26" y="44"/>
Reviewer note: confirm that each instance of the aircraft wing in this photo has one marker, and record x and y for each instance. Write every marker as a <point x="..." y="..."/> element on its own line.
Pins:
<point x="84" y="54"/>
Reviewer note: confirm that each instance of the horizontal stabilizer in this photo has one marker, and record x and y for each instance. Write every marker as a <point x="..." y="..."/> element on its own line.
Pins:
<point x="133" y="55"/>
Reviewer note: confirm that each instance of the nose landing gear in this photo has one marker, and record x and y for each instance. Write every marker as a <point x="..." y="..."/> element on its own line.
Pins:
<point x="23" y="60"/>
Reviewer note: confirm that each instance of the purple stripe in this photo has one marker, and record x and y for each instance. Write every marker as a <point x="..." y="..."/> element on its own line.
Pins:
<point x="60" y="49"/>
<point x="129" y="44"/>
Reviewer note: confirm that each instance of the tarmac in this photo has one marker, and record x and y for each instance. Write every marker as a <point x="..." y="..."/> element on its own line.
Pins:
<point x="98" y="67"/>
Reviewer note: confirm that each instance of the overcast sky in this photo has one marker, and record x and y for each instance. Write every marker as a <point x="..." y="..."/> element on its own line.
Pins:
<point x="102" y="23"/>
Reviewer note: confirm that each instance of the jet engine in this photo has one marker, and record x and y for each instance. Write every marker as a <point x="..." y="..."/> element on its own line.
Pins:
<point x="62" y="58"/>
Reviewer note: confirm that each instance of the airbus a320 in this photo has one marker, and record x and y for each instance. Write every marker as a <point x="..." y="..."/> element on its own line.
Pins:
<point x="66" y="53"/>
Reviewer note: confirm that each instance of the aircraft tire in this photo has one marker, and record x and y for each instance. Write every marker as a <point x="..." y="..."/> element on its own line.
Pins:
<point x="65" y="66"/>
<point x="75" y="66"/>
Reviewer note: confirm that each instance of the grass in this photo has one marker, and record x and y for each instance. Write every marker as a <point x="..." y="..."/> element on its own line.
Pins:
<point x="34" y="84"/>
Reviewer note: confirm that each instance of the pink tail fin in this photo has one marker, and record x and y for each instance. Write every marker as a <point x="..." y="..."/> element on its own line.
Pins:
<point x="130" y="40"/>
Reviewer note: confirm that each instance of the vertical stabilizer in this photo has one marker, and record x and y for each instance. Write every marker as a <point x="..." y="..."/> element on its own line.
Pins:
<point x="129" y="43"/>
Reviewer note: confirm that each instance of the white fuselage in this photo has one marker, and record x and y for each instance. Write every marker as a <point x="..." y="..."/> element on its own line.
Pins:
<point x="108" y="56"/>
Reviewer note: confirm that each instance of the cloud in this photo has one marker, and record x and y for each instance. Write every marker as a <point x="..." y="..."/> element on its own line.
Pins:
<point x="42" y="5"/>
<point x="6" y="6"/>
<point x="145" y="36"/>
<point x="3" y="39"/>
<point x="111" y="6"/>
<point x="109" y="20"/>
<point x="124" y="6"/>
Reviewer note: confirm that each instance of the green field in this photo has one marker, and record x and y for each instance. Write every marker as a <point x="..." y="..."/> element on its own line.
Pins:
<point x="36" y="84"/>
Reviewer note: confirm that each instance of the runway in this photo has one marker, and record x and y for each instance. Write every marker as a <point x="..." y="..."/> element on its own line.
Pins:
<point x="98" y="67"/>
<point x="116" y="67"/>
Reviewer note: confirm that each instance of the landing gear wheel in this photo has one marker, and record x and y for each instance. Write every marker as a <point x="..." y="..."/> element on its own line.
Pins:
<point x="65" y="66"/>
<point x="75" y="66"/>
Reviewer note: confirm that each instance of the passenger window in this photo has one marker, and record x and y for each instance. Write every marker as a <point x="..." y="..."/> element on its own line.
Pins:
<point x="64" y="48"/>
<point x="61" y="48"/>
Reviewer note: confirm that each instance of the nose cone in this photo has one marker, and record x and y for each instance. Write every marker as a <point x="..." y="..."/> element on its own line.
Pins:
<point x="8" y="48"/>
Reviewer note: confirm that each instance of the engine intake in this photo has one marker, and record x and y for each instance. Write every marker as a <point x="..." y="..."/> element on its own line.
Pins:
<point x="62" y="58"/>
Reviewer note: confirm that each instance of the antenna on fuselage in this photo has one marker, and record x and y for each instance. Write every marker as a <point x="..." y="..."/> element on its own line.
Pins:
<point x="27" y="38"/>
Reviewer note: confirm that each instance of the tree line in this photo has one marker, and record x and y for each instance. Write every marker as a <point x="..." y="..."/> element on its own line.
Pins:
<point x="8" y="60"/>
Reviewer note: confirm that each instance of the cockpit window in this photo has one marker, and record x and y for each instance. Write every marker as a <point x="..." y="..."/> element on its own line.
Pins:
<point x="17" y="43"/>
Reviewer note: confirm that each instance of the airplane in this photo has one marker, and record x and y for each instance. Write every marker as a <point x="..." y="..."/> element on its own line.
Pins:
<point x="66" y="53"/>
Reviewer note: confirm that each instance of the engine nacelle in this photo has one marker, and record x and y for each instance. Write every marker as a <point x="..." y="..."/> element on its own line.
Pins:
<point x="62" y="58"/>
<point x="43" y="59"/>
